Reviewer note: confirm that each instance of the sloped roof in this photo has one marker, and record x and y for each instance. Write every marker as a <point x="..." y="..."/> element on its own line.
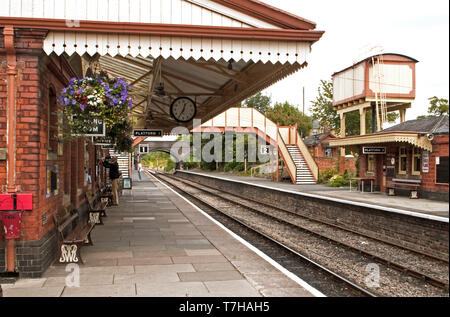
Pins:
<point x="313" y="140"/>
<point x="268" y="13"/>
<point x="434" y="125"/>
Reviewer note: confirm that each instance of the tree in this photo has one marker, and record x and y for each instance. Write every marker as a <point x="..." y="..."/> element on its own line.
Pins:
<point x="322" y="108"/>
<point x="323" y="111"/>
<point x="259" y="101"/>
<point x="438" y="106"/>
<point x="286" y="114"/>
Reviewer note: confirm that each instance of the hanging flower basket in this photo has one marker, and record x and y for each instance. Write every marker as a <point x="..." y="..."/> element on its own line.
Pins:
<point x="89" y="99"/>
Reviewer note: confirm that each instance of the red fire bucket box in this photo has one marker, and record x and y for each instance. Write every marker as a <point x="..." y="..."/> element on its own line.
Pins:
<point x="11" y="223"/>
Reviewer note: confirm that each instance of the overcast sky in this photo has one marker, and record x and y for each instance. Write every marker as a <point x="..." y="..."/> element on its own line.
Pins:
<point x="416" y="28"/>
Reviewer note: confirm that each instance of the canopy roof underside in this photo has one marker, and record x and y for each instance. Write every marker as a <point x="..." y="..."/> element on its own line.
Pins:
<point x="211" y="84"/>
<point x="217" y="52"/>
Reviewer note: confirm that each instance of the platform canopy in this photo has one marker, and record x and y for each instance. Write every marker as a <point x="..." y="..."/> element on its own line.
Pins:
<point x="217" y="52"/>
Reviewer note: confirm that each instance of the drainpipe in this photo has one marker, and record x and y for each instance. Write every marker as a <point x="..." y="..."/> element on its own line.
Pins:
<point x="8" y="33"/>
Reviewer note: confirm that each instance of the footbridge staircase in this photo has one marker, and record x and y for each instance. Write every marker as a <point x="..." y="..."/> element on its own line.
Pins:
<point x="298" y="161"/>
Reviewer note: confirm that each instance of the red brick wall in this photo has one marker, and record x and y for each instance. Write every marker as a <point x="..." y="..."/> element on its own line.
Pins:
<point x="37" y="73"/>
<point x="440" y="148"/>
<point x="324" y="162"/>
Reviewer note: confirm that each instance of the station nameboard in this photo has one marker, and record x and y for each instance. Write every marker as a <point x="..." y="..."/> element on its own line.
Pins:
<point x="148" y="133"/>
<point x="374" y="150"/>
<point x="97" y="130"/>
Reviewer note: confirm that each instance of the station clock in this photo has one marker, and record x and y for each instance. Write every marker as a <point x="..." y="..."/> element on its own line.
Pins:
<point x="183" y="109"/>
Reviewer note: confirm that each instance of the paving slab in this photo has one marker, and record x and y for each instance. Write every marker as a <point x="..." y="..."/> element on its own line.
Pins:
<point x="155" y="244"/>
<point x="210" y="276"/>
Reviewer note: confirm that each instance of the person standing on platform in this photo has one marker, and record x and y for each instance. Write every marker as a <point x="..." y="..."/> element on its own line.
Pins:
<point x="114" y="175"/>
<point x="140" y="169"/>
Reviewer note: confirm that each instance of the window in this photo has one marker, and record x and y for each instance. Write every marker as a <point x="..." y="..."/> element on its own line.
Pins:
<point x="328" y="152"/>
<point x="52" y="121"/>
<point x="442" y="170"/>
<point x="87" y="170"/>
<point x="143" y="149"/>
<point x="370" y="164"/>
<point x="416" y="161"/>
<point x="402" y="160"/>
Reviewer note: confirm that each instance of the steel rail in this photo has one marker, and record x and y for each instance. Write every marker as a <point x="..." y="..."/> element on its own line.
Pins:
<point x="397" y="266"/>
<point x="319" y="266"/>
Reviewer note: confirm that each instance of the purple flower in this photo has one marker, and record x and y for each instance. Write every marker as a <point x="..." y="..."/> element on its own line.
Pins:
<point x="66" y="101"/>
<point x="82" y="107"/>
<point x="74" y="102"/>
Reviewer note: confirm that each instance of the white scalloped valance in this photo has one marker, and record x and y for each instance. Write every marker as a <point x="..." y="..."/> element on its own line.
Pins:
<point x="167" y="46"/>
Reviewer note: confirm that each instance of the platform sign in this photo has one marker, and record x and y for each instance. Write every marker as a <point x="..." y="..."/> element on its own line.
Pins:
<point x="374" y="150"/>
<point x="102" y="140"/>
<point x="148" y="133"/>
<point x="108" y="146"/>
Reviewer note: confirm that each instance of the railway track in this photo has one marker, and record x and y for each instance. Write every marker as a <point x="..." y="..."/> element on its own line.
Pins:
<point x="318" y="276"/>
<point x="427" y="277"/>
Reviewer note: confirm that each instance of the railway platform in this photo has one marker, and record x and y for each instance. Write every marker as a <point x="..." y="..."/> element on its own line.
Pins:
<point x="418" y="206"/>
<point x="156" y="244"/>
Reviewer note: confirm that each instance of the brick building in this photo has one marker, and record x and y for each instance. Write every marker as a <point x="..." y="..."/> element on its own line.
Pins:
<point x="328" y="157"/>
<point x="42" y="46"/>
<point x="411" y="154"/>
<point x="40" y="153"/>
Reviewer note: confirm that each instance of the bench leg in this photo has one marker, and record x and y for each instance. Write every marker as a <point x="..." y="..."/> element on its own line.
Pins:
<point x="95" y="218"/>
<point x="414" y="194"/>
<point x="70" y="253"/>
<point x="88" y="240"/>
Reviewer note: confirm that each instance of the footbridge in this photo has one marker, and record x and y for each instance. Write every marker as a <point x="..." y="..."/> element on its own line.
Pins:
<point x="300" y="164"/>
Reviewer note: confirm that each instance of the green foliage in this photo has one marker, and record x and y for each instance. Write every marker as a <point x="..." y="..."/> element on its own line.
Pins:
<point x="340" y="180"/>
<point x="259" y="101"/>
<point x="438" y="107"/>
<point x="161" y="160"/>
<point x="286" y="114"/>
<point x="323" y="111"/>
<point x="325" y="175"/>
<point x="322" y="107"/>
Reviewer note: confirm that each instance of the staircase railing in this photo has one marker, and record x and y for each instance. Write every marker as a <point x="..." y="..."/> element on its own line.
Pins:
<point x="308" y="158"/>
<point x="291" y="167"/>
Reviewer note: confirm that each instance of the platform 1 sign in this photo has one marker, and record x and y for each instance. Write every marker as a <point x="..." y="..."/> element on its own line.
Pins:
<point x="148" y="133"/>
<point x="374" y="150"/>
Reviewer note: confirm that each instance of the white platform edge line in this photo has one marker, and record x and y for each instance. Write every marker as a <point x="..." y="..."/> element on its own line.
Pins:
<point x="289" y="274"/>
<point x="388" y="209"/>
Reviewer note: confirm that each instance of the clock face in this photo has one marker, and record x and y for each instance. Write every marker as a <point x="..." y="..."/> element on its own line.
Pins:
<point x="183" y="109"/>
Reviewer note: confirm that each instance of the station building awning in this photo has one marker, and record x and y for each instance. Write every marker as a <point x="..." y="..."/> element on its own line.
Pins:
<point x="415" y="139"/>
<point x="216" y="52"/>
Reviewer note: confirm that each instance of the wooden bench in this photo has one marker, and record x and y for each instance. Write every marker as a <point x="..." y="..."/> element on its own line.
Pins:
<point x="97" y="210"/>
<point x="106" y="195"/>
<point x="412" y="184"/>
<point x="71" y="243"/>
